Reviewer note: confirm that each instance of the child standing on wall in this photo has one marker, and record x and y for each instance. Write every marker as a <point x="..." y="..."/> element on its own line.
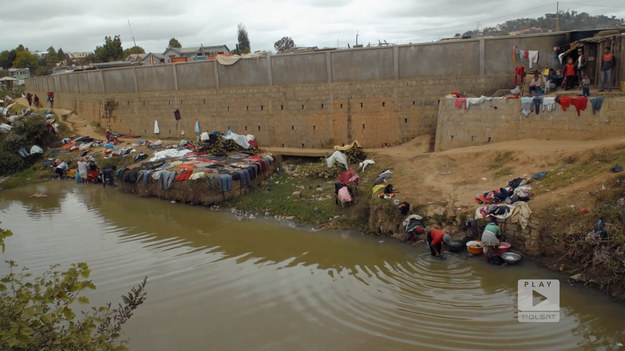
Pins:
<point x="569" y="74"/>
<point x="585" y="85"/>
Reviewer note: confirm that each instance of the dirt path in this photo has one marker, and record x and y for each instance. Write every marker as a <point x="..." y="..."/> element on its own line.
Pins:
<point x="455" y="176"/>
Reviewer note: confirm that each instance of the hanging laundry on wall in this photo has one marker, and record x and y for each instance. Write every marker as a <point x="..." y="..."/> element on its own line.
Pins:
<point x="529" y="55"/>
<point x="197" y="126"/>
<point x="177" y="114"/>
<point x="156" y="130"/>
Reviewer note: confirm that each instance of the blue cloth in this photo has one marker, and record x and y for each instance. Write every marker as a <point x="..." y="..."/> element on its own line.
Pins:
<point x="166" y="179"/>
<point x="119" y="171"/>
<point x="526" y="106"/>
<point x="536" y="103"/>
<point x="596" y="103"/>
<point x="245" y="177"/>
<point x="144" y="175"/>
<point x="226" y="182"/>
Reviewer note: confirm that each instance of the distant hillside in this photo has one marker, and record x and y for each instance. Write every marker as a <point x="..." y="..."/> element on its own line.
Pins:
<point x="568" y="21"/>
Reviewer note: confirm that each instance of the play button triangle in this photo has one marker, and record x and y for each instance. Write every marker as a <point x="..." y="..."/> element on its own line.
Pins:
<point x="537" y="298"/>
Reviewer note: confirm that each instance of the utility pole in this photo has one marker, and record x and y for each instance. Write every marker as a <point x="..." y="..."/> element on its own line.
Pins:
<point x="557" y="16"/>
<point x="131" y="33"/>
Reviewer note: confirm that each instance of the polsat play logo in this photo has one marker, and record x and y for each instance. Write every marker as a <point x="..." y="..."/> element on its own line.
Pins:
<point x="539" y="300"/>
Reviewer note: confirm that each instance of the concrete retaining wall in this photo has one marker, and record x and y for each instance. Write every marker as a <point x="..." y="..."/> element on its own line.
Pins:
<point x="380" y="96"/>
<point x="502" y="120"/>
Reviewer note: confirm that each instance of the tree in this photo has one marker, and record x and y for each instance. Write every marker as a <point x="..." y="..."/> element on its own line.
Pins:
<point x="244" y="41"/>
<point x="174" y="43"/>
<point x="37" y="313"/>
<point x="61" y="55"/>
<point x="6" y="58"/>
<point x="111" y="51"/>
<point x="26" y="59"/>
<point x="133" y="50"/>
<point x="52" y="58"/>
<point x="284" y="44"/>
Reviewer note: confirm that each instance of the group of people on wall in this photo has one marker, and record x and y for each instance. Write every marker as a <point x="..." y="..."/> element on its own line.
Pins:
<point x="574" y="74"/>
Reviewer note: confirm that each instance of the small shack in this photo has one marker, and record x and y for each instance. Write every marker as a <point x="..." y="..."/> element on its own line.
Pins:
<point x="7" y="82"/>
<point x="593" y="49"/>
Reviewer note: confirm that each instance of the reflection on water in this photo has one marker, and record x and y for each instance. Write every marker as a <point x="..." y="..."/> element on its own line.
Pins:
<point x="218" y="283"/>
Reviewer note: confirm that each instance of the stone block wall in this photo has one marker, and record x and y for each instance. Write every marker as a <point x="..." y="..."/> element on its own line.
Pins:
<point x="376" y="113"/>
<point x="502" y="120"/>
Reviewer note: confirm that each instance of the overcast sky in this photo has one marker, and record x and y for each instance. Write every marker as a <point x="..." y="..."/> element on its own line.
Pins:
<point x="80" y="25"/>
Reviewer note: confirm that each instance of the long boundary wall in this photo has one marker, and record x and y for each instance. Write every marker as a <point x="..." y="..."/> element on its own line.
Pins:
<point x="379" y="96"/>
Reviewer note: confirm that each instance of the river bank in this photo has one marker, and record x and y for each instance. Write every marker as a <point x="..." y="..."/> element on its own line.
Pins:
<point x="211" y="276"/>
<point x="441" y="187"/>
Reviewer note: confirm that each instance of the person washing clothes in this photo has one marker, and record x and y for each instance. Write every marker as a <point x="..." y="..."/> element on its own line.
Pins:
<point x="490" y="238"/>
<point x="569" y="74"/>
<point x="607" y="64"/>
<point x="62" y="168"/>
<point x="537" y="85"/>
<point x="436" y="242"/>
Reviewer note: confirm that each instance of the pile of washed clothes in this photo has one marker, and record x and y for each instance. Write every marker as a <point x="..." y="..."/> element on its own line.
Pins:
<point x="6" y="128"/>
<point x="184" y="164"/>
<point x="509" y="201"/>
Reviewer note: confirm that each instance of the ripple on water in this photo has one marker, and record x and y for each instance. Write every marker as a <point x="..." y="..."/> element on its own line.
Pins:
<point x="205" y="282"/>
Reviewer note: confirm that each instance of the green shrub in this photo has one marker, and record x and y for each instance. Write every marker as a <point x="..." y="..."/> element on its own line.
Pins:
<point x="37" y="313"/>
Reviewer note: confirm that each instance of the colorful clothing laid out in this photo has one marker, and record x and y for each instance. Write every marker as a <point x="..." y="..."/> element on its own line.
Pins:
<point x="166" y="179"/>
<point x="343" y="195"/>
<point x="579" y="103"/>
<point x="596" y="103"/>
<point x="519" y="71"/>
<point x="526" y="106"/>
<point x="565" y="102"/>
<point x="460" y="102"/>
<point x="532" y="56"/>
<point x="185" y="175"/>
<point x="226" y="182"/>
<point x="549" y="103"/>
<point x="536" y="104"/>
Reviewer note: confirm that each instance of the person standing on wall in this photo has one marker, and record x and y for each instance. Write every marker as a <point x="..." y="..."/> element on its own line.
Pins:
<point x="607" y="64"/>
<point x="569" y="74"/>
<point x="580" y="65"/>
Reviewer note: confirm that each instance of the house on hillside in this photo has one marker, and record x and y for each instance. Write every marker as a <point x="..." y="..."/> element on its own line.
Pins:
<point x="136" y="58"/>
<point x="153" y="59"/>
<point x="76" y="57"/>
<point x="193" y="53"/>
<point x="146" y="59"/>
<point x="19" y="73"/>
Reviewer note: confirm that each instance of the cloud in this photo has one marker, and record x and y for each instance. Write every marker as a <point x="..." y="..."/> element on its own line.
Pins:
<point x="81" y="25"/>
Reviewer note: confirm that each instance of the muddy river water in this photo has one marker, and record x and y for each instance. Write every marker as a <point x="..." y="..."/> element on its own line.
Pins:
<point x="218" y="283"/>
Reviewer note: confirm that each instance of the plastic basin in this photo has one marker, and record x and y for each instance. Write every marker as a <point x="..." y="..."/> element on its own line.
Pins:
<point x="474" y="247"/>
<point x="503" y="247"/>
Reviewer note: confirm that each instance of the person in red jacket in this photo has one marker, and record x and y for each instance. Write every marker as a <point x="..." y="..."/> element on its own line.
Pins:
<point x="607" y="64"/>
<point x="570" y="76"/>
<point x="436" y="242"/>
